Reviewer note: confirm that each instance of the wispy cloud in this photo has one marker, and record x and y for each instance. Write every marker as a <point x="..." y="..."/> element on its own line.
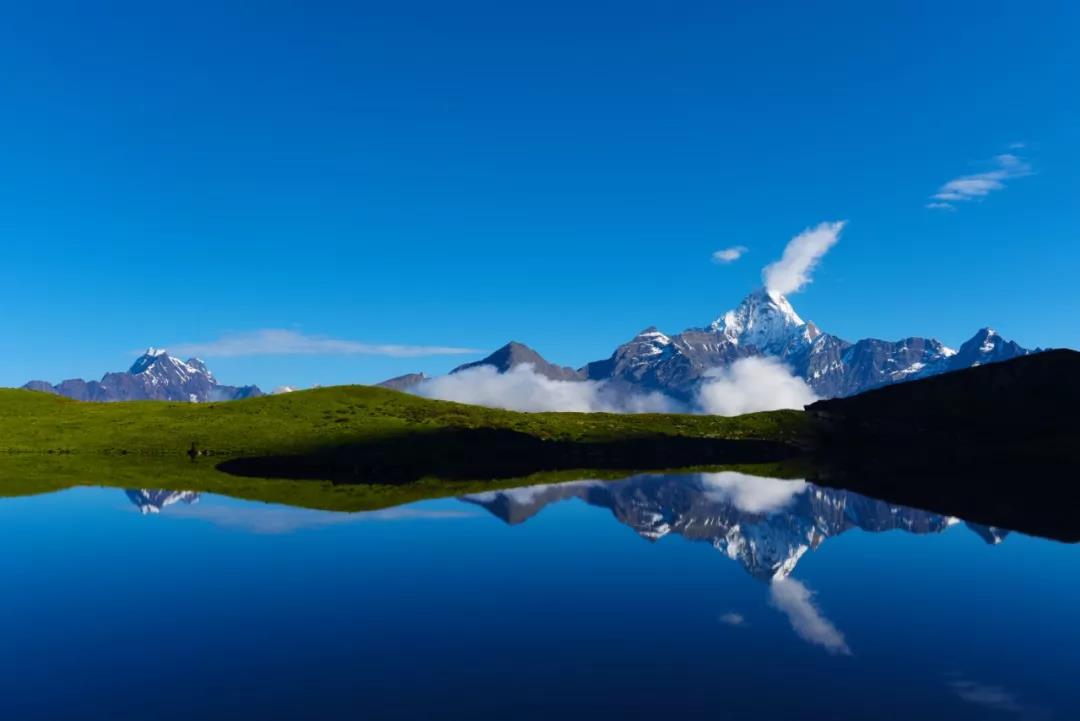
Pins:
<point x="729" y="255"/>
<point x="273" y="341"/>
<point x="796" y="602"/>
<point x="1006" y="166"/>
<point x="993" y="697"/>
<point x="733" y="619"/>
<point x="996" y="699"/>
<point x="801" y="255"/>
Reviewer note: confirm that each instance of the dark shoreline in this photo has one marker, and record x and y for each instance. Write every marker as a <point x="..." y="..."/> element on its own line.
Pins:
<point x="459" y="454"/>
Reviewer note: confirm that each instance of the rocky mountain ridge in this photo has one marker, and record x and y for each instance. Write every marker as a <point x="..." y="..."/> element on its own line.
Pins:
<point x="764" y="324"/>
<point x="155" y="375"/>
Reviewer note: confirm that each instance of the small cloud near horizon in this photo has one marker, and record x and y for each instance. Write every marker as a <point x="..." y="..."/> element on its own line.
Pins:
<point x="729" y="255"/>
<point x="274" y="341"/>
<point x="1006" y="166"/>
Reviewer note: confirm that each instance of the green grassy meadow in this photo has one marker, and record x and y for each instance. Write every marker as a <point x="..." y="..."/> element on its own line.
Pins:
<point x="304" y="421"/>
<point x="49" y="443"/>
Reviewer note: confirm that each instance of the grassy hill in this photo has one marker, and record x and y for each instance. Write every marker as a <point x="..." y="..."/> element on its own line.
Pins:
<point x="306" y="421"/>
<point x="374" y="435"/>
<point x="49" y="443"/>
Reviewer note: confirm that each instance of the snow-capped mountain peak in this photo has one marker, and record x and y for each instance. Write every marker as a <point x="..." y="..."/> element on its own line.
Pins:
<point x="159" y="363"/>
<point x="155" y="375"/>
<point x="147" y="359"/>
<point x="653" y="335"/>
<point x="198" y="366"/>
<point x="986" y="346"/>
<point x="764" y="319"/>
<point x="650" y="342"/>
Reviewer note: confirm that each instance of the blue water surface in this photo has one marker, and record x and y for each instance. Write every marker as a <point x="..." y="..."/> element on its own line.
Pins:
<point x="702" y="596"/>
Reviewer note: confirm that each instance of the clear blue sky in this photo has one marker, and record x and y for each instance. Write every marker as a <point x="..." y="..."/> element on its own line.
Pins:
<point x="460" y="174"/>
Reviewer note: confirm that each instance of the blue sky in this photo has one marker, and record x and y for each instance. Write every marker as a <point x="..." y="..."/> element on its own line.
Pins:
<point x="461" y="174"/>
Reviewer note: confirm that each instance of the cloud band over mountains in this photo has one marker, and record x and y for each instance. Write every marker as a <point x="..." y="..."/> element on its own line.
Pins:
<point x="523" y="389"/>
<point x="751" y="384"/>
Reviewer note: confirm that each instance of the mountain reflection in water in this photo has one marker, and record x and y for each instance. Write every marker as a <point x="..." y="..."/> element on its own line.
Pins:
<point x="765" y="524"/>
<point x="150" y="500"/>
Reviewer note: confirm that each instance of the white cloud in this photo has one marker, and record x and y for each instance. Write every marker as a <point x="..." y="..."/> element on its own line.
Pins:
<point x="729" y="255"/>
<point x="991" y="697"/>
<point x="750" y="494"/>
<point x="733" y="619"/>
<point x="273" y="341"/>
<point x="748" y="385"/>
<point x="1006" y="166"/>
<point x="523" y="389"/>
<point x="792" y="271"/>
<point x="795" y="601"/>
<point x="527" y="494"/>
<point x="752" y="384"/>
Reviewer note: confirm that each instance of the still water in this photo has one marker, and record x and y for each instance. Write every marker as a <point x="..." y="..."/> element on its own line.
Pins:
<point x="705" y="596"/>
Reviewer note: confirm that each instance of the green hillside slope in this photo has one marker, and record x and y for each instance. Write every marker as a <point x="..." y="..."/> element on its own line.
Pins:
<point x="306" y="421"/>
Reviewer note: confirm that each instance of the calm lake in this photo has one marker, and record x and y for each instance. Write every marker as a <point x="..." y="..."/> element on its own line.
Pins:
<point x="703" y="596"/>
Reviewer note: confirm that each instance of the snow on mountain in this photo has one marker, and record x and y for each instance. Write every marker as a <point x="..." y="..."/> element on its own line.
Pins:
<point x="764" y="324"/>
<point x="986" y="346"/>
<point x="155" y="375"/>
<point x="764" y="320"/>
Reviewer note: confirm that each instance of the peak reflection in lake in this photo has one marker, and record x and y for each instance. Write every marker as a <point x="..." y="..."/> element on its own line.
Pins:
<point x="766" y="524"/>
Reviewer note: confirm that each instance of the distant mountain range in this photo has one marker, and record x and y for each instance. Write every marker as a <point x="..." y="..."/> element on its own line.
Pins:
<point x="764" y="324"/>
<point x="155" y="375"/>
